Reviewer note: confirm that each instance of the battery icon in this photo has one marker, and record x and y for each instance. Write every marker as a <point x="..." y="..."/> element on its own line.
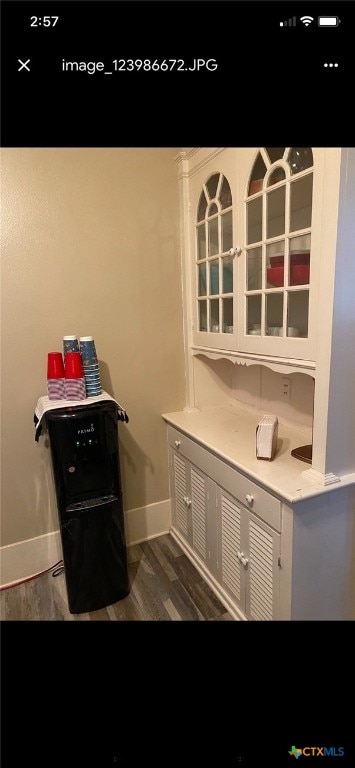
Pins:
<point x="328" y="21"/>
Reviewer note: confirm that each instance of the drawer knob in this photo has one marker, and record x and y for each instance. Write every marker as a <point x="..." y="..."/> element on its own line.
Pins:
<point x="177" y="443"/>
<point x="249" y="498"/>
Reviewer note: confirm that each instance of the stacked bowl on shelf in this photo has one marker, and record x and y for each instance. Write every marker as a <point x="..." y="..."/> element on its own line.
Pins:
<point x="299" y="269"/>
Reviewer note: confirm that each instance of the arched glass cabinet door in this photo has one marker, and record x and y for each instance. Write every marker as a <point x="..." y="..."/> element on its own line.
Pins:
<point x="214" y="257"/>
<point x="278" y="248"/>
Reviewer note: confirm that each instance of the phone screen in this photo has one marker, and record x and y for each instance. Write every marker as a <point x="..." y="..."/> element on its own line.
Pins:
<point x="101" y="103"/>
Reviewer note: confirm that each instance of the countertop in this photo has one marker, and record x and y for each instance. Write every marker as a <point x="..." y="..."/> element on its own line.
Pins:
<point x="229" y="431"/>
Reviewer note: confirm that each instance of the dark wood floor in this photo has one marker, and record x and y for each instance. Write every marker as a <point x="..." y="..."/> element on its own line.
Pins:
<point x="164" y="586"/>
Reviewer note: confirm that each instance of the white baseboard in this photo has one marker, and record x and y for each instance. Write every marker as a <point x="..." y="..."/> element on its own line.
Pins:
<point x="25" y="559"/>
<point x="145" y="523"/>
<point x="28" y="558"/>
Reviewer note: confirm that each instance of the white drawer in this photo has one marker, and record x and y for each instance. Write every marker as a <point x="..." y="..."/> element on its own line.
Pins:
<point x="184" y="445"/>
<point x="251" y="495"/>
<point x="245" y="490"/>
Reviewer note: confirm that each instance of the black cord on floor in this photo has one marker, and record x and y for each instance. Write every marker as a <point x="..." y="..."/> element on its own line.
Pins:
<point x="58" y="569"/>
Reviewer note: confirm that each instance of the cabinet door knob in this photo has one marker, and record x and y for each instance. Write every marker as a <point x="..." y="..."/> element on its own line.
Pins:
<point x="177" y="443"/>
<point x="235" y="251"/>
<point x="249" y="498"/>
<point x="244" y="560"/>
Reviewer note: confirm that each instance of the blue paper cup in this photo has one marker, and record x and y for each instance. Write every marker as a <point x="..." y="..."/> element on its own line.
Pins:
<point x="93" y="391"/>
<point x="91" y="368"/>
<point x="70" y="344"/>
<point x="87" y="350"/>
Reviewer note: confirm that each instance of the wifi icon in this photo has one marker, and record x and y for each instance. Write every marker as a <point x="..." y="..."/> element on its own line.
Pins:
<point x="306" y="20"/>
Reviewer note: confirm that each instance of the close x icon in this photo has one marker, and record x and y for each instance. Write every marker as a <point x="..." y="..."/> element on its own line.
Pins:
<point x="23" y="65"/>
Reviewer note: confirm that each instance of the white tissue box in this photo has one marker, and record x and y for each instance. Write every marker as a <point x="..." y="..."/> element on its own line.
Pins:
<point x="266" y="437"/>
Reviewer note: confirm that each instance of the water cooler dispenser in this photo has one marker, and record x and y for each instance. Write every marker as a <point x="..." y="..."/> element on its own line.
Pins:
<point x="85" y="457"/>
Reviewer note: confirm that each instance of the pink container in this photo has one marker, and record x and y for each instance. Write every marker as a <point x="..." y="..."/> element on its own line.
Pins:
<point x="75" y="389"/>
<point x="55" y="389"/>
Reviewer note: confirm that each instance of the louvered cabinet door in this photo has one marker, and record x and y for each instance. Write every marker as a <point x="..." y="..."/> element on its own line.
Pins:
<point x="199" y="509"/>
<point x="181" y="498"/>
<point x="262" y="571"/>
<point x="231" y="571"/>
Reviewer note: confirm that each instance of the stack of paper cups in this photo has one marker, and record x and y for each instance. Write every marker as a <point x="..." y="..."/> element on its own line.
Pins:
<point x="74" y="377"/>
<point x="55" y="376"/>
<point x="90" y="366"/>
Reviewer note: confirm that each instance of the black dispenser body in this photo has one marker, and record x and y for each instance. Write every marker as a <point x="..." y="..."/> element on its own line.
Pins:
<point x="85" y="458"/>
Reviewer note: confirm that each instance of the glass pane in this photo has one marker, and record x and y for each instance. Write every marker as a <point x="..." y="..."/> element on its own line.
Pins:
<point x="227" y="231"/>
<point x="300" y="158"/>
<point x="297" y="315"/>
<point x="300" y="245"/>
<point x="275" y="153"/>
<point x="301" y="203"/>
<point x="254" y="269"/>
<point x="276" y="212"/>
<point x="214" y="318"/>
<point x="274" y="314"/>
<point x="212" y="185"/>
<point x="254" y="315"/>
<point x="277" y="175"/>
<point x="201" y="242"/>
<point x="202" y="287"/>
<point x="201" y="211"/>
<point x="213" y="237"/>
<point x="255" y="186"/>
<point x="202" y="315"/>
<point x="212" y="209"/>
<point x="275" y="264"/>
<point x="300" y="251"/>
<point x="214" y="276"/>
<point x="254" y="216"/>
<point x="225" y="195"/>
<point x="257" y="175"/>
<point x="227" y="315"/>
<point x="227" y="274"/>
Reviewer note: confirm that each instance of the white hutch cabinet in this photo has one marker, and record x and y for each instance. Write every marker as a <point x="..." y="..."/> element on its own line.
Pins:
<point x="252" y="250"/>
<point x="268" y="275"/>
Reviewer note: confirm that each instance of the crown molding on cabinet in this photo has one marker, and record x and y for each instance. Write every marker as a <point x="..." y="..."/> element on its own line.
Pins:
<point x="278" y="364"/>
